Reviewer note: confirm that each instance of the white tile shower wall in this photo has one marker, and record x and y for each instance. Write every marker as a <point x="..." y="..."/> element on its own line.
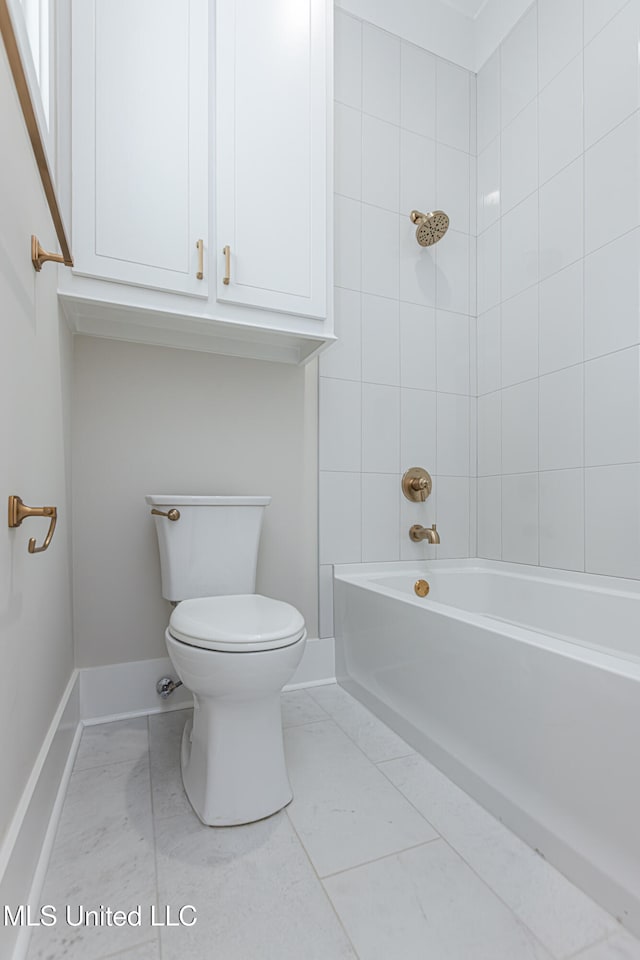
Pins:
<point x="558" y="331"/>
<point x="395" y="391"/>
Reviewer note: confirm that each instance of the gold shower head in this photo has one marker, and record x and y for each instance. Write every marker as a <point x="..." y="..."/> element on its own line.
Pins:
<point x="431" y="227"/>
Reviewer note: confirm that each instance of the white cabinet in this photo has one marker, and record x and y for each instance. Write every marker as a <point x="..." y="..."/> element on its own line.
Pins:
<point x="202" y="120"/>
<point x="140" y="141"/>
<point x="271" y="150"/>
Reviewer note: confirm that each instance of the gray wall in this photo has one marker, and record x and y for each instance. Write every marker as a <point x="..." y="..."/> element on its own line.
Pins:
<point x="35" y="360"/>
<point x="157" y="420"/>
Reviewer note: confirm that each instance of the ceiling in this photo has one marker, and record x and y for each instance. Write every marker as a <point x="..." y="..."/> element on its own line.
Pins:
<point x="466" y="32"/>
<point x="470" y="8"/>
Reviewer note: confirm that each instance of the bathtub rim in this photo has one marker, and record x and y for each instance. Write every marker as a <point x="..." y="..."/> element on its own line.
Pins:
<point x="359" y="575"/>
<point x="596" y="582"/>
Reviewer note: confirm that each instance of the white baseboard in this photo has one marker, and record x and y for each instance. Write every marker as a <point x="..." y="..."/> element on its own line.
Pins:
<point x="94" y="695"/>
<point x="309" y="683"/>
<point x="25" y="851"/>
<point x="122" y="690"/>
<point x="118" y="691"/>
<point x="318" y="664"/>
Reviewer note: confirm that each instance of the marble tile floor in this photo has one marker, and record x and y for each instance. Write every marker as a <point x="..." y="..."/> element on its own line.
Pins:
<point x="378" y="857"/>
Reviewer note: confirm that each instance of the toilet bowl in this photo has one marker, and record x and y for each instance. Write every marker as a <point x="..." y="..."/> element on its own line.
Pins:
<point x="234" y="650"/>
<point x="235" y="654"/>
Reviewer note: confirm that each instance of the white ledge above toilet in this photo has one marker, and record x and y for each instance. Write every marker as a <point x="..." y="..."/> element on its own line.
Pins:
<point x="181" y="500"/>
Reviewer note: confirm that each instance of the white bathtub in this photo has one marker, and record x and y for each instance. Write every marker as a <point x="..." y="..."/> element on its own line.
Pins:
<point x="523" y="685"/>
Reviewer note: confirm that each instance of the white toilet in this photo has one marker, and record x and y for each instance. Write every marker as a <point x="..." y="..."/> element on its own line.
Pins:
<point x="234" y="649"/>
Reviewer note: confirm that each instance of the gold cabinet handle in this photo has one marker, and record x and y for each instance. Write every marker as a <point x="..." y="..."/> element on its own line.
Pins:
<point x="172" y="514"/>
<point x="18" y="511"/>
<point x="227" y="265"/>
<point x="200" y="247"/>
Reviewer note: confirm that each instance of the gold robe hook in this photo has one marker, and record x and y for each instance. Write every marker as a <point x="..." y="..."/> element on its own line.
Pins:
<point x="19" y="511"/>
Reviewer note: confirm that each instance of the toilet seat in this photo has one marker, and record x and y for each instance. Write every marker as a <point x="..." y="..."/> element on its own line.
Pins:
<point x="241" y="623"/>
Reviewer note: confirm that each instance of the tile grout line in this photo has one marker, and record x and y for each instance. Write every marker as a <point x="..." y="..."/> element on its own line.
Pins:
<point x="402" y="127"/>
<point x="550" y="373"/>
<point x="469" y="865"/>
<point x="385" y="856"/>
<point x="155" y="841"/>
<point x="597" y="943"/>
<point x="521" y="473"/>
<point x="361" y="299"/>
<point x="127" y="952"/>
<point x="355" y="743"/>
<point x="303" y="723"/>
<point x="322" y="886"/>
<point x="584" y="304"/>
<point x="588" y="253"/>
<point x="375" y="765"/>
<point x="539" y="280"/>
<point x="132" y="762"/>
<point x="108" y="763"/>
<point x="473" y="309"/>
<point x="500" y="228"/>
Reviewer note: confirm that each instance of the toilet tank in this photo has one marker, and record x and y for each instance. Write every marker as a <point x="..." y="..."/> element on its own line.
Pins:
<point x="212" y="549"/>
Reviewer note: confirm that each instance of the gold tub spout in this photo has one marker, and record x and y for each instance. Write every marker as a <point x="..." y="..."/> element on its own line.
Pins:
<point x="418" y="533"/>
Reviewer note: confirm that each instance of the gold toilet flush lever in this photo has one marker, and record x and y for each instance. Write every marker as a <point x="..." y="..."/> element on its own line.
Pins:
<point x="18" y="511"/>
<point x="172" y="514"/>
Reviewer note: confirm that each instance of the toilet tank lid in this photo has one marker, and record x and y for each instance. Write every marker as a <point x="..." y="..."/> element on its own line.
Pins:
<point x="181" y="500"/>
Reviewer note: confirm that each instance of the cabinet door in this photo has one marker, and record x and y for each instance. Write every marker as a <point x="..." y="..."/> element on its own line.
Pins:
<point x="271" y="153"/>
<point x="140" y="141"/>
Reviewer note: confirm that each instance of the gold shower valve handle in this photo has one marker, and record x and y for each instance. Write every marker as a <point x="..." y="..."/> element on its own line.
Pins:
<point x="417" y="484"/>
<point x="172" y="514"/>
<point x="19" y="511"/>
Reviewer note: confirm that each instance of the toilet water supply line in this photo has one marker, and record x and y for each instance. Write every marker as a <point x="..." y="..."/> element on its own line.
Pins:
<point x="165" y="687"/>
